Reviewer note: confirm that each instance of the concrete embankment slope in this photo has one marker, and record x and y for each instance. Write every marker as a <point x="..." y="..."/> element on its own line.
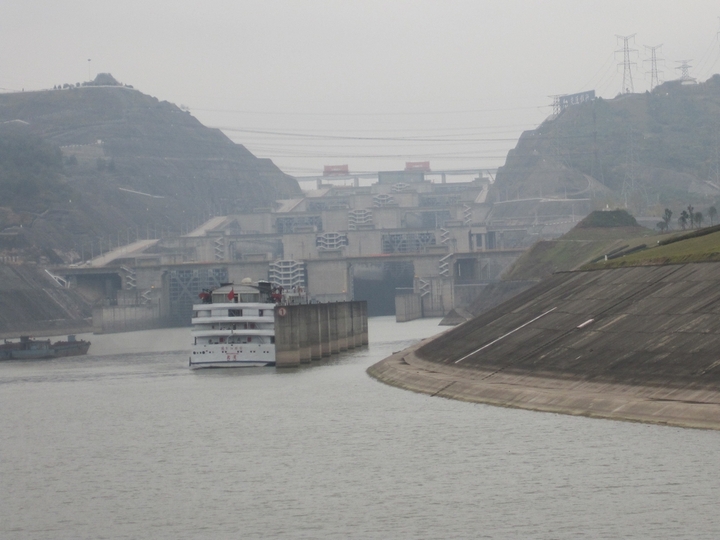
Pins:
<point x="31" y="303"/>
<point x="638" y="344"/>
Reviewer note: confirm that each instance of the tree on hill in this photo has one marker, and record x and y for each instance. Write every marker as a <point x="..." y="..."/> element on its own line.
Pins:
<point x="712" y="214"/>
<point x="683" y="219"/>
<point x="691" y="215"/>
<point x="698" y="219"/>
<point x="667" y="216"/>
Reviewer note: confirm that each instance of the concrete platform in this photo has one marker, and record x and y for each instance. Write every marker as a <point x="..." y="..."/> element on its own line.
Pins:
<point x="640" y="344"/>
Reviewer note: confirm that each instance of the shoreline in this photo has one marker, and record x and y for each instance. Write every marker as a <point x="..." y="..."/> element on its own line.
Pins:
<point x="677" y="407"/>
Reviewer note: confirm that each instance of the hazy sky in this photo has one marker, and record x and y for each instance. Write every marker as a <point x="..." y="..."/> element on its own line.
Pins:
<point x="368" y="83"/>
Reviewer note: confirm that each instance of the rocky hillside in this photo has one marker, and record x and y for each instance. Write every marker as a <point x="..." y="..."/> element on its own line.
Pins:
<point x="641" y="151"/>
<point x="116" y="163"/>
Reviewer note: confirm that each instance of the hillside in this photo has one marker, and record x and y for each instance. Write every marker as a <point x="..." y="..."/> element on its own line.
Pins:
<point x="701" y="245"/>
<point x="600" y="233"/>
<point x="125" y="164"/>
<point x="647" y="151"/>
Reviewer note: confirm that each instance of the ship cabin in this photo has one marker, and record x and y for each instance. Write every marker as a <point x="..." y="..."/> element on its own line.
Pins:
<point x="235" y="314"/>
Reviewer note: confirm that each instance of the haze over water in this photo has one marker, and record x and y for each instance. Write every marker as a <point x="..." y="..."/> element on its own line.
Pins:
<point x="126" y="443"/>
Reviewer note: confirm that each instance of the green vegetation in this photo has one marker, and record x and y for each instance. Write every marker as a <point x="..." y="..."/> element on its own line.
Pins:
<point x="602" y="246"/>
<point x="29" y="166"/>
<point x="602" y="233"/>
<point x="693" y="234"/>
<point x="607" y="219"/>
<point x="689" y="248"/>
<point x="546" y="257"/>
<point x="576" y="248"/>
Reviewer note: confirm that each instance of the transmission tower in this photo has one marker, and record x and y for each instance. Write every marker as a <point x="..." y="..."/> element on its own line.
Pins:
<point x="627" y="87"/>
<point x="654" y="78"/>
<point x="684" y="68"/>
<point x="557" y="108"/>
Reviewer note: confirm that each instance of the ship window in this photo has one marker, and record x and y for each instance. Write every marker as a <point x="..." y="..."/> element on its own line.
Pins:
<point x="272" y="339"/>
<point x="235" y="313"/>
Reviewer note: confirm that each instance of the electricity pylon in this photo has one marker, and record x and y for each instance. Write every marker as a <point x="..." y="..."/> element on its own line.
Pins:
<point x="628" y="87"/>
<point x="654" y="78"/>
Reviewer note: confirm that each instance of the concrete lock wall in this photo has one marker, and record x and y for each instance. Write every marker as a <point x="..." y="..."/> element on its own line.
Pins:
<point x="111" y="319"/>
<point x="408" y="307"/>
<point x="357" y="328"/>
<point x="307" y="332"/>
<point x="324" y="318"/>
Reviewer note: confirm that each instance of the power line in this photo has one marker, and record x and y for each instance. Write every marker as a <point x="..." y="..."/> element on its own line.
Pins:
<point x="419" y="113"/>
<point x="360" y="138"/>
<point x="604" y="68"/>
<point x="508" y="128"/>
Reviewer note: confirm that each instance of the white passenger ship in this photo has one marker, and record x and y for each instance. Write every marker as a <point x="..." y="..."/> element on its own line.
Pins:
<point x="234" y="326"/>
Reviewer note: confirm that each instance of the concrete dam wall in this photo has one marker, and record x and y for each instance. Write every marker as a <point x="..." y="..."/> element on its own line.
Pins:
<point x="638" y="344"/>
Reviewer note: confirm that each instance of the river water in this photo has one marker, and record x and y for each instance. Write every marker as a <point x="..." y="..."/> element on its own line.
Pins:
<point x="128" y="443"/>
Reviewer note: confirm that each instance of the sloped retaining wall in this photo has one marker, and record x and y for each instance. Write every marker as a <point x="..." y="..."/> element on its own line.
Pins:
<point x="674" y="407"/>
<point x="636" y="344"/>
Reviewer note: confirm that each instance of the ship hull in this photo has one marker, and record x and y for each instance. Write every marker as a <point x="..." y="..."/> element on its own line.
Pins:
<point x="230" y="364"/>
<point x="244" y="355"/>
<point x="34" y="352"/>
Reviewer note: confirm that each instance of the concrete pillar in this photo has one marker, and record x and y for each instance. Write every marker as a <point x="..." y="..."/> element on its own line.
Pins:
<point x="343" y="319"/>
<point x="303" y="333"/>
<point x="364" y="322"/>
<point x="357" y="324"/>
<point x="333" y="328"/>
<point x="287" y="337"/>
<point x="349" y="325"/>
<point x="324" y="330"/>
<point x="314" y="331"/>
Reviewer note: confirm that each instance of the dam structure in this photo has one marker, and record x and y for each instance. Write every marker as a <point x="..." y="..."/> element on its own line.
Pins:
<point x="408" y="245"/>
<point x="637" y="343"/>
